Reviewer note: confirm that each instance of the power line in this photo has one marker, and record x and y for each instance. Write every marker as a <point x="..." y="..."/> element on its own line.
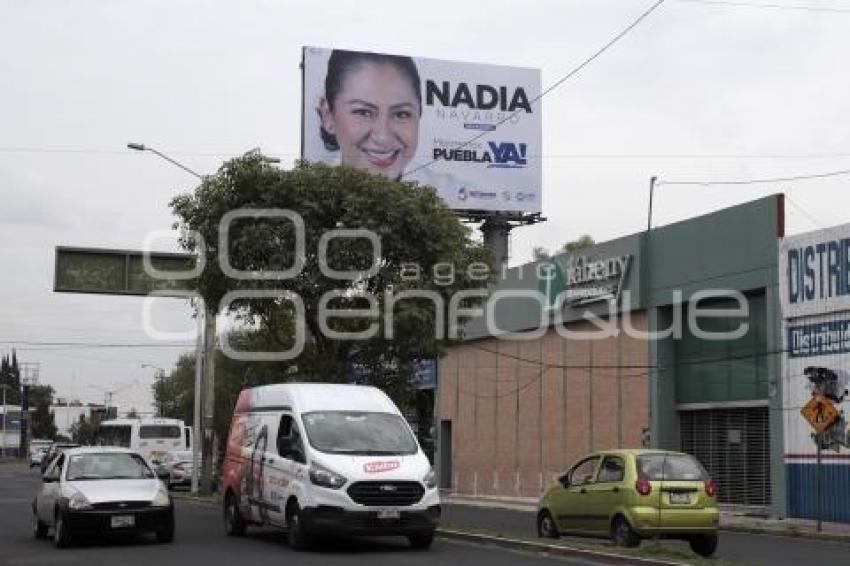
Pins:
<point x="757" y="181"/>
<point x="804" y="212"/>
<point x="227" y="155"/>
<point x="557" y="83"/>
<point x="91" y="345"/>
<point x="796" y="7"/>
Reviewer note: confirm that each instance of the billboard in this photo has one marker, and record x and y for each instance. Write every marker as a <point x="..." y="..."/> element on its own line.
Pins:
<point x="471" y="131"/>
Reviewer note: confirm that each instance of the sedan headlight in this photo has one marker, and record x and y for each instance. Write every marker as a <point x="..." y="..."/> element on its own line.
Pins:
<point x="430" y="479"/>
<point x="78" y="502"/>
<point x="161" y="499"/>
<point x="324" y="477"/>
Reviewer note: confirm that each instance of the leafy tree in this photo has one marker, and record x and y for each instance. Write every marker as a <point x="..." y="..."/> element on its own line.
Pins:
<point x="10" y="376"/>
<point x="43" y="425"/>
<point x="84" y="430"/>
<point x="176" y="390"/>
<point x="585" y="241"/>
<point x="414" y="226"/>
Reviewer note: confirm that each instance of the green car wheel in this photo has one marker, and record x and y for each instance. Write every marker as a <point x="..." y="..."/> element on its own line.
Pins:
<point x="546" y="527"/>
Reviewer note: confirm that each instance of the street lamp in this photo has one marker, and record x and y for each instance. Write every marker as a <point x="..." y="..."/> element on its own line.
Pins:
<point x="143" y="147"/>
<point x="204" y="368"/>
<point x="161" y="375"/>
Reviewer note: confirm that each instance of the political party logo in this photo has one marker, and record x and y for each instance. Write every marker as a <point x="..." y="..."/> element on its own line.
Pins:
<point x="504" y="155"/>
<point x="462" y="194"/>
<point x="381" y="467"/>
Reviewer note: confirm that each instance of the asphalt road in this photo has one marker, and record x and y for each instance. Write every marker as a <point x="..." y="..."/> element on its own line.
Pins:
<point x="735" y="548"/>
<point x="200" y="540"/>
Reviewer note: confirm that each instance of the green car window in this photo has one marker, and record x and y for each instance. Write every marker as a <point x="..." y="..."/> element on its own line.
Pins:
<point x="613" y="469"/>
<point x="582" y="472"/>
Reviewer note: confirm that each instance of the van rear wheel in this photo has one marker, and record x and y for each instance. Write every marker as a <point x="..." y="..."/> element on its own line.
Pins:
<point x="234" y="525"/>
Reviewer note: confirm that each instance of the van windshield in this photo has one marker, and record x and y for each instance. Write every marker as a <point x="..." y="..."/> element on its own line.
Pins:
<point x="360" y="433"/>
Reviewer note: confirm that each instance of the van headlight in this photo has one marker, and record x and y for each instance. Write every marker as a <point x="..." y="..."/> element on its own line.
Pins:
<point x="430" y="479"/>
<point x="161" y="499"/>
<point x="78" y="502"/>
<point x="324" y="477"/>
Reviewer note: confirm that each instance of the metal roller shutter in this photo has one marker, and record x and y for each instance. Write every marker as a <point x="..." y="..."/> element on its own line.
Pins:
<point x="733" y="446"/>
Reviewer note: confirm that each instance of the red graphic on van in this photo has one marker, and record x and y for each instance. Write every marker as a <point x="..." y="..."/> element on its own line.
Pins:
<point x="380" y="467"/>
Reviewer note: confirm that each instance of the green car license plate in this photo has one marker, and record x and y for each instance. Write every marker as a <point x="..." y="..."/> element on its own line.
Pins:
<point x="123" y="521"/>
<point x="680" y="498"/>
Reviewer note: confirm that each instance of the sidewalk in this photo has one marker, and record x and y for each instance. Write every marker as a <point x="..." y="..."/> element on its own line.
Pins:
<point x="729" y="519"/>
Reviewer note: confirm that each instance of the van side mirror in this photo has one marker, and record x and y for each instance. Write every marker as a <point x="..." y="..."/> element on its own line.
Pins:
<point x="50" y="478"/>
<point x="564" y="480"/>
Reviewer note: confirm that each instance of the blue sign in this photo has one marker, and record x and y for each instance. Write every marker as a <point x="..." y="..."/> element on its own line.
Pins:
<point x="819" y="339"/>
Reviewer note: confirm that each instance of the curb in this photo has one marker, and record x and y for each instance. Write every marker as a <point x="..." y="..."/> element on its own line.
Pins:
<point x="733" y="528"/>
<point x="831" y="537"/>
<point x="554" y="549"/>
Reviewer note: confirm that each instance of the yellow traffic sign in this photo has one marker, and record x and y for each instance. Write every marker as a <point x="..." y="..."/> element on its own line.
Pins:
<point x="820" y="412"/>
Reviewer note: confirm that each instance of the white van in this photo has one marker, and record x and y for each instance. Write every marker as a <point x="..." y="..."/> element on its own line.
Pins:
<point x="152" y="438"/>
<point x="326" y="458"/>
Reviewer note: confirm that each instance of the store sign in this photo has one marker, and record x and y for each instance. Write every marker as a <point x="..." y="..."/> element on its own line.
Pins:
<point x="814" y="271"/>
<point x="582" y="280"/>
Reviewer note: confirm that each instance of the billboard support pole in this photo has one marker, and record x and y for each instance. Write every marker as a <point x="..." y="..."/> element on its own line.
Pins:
<point x="496" y="232"/>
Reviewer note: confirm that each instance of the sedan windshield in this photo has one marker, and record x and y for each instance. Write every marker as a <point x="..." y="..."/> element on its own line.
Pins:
<point x="368" y="434"/>
<point x="116" y="466"/>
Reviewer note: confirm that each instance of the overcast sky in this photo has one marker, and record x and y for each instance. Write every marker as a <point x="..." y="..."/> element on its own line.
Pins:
<point x="699" y="91"/>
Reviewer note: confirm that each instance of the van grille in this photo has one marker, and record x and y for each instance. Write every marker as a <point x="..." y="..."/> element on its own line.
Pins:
<point x="386" y="493"/>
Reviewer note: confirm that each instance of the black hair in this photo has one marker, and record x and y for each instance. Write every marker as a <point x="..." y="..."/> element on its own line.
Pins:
<point x="343" y="63"/>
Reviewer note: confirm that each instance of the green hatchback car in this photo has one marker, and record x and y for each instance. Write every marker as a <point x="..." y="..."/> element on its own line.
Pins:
<point x="634" y="494"/>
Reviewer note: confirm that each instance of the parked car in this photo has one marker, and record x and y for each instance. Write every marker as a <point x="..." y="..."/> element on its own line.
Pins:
<point x="95" y="490"/>
<point x="317" y="457"/>
<point x="175" y="469"/>
<point x="633" y="494"/>
<point x="50" y="454"/>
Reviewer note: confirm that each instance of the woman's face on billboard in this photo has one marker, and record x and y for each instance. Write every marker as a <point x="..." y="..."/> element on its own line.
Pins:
<point x="375" y="119"/>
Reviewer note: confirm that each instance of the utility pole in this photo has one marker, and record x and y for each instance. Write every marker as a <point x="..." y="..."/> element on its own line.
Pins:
<point x="209" y="401"/>
<point x="3" y="446"/>
<point x="29" y="378"/>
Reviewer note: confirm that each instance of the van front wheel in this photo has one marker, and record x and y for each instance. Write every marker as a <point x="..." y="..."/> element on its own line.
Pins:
<point x="421" y="541"/>
<point x="297" y="534"/>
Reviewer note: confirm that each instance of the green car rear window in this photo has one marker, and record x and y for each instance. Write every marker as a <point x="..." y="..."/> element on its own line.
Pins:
<point x="679" y="467"/>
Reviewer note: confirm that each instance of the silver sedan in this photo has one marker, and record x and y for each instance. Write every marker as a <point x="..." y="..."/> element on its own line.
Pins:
<point x="95" y="490"/>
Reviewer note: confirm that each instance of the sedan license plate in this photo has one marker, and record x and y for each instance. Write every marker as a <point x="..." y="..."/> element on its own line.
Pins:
<point x="388" y="514"/>
<point x="123" y="521"/>
<point x="680" y="498"/>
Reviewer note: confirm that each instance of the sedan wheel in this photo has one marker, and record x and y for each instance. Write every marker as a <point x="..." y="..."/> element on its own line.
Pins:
<point x="39" y="529"/>
<point x="60" y="533"/>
